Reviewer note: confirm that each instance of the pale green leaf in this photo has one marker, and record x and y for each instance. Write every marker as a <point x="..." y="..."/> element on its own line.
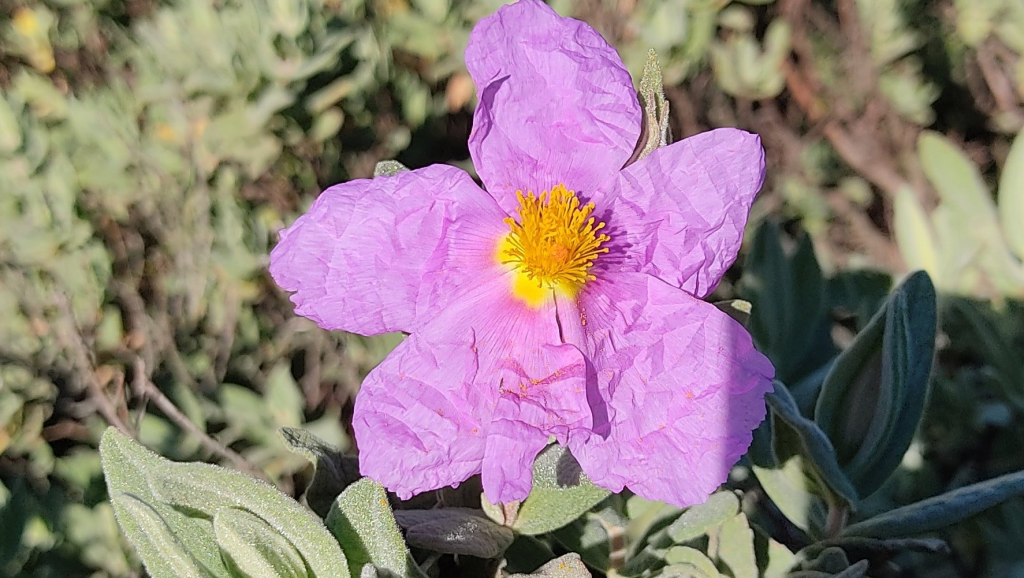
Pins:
<point x="685" y="561"/>
<point x="1011" y="196"/>
<point x="736" y="547"/>
<point x="700" y="519"/>
<point x="914" y="235"/>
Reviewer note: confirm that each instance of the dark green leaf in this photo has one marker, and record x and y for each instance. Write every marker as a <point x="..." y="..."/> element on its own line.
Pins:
<point x="815" y="445"/>
<point x="940" y="511"/>
<point x="907" y="352"/>
<point x="786" y="292"/>
<point x="332" y="473"/>
<point x="455" y="531"/>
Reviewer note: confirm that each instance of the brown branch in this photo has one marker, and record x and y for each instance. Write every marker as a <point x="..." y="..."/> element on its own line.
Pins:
<point x="142" y="383"/>
<point x="72" y="340"/>
<point x="874" y="243"/>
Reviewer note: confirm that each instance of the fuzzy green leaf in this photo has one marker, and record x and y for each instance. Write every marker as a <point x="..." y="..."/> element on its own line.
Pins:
<point x="362" y="521"/>
<point x="702" y="518"/>
<point x="736" y="547"/>
<point x="126" y="467"/>
<point x="163" y="554"/>
<point x="568" y="566"/>
<point x="388" y="169"/>
<point x="561" y="493"/>
<point x="255" y="549"/>
<point x="207" y="489"/>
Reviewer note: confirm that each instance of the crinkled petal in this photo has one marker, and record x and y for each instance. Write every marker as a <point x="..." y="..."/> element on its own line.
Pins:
<point x="381" y="255"/>
<point x="679" y="390"/>
<point x="488" y="374"/>
<point x="679" y="213"/>
<point x="557" y="106"/>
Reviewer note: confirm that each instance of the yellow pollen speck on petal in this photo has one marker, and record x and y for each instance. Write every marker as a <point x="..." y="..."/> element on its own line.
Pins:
<point x="552" y="246"/>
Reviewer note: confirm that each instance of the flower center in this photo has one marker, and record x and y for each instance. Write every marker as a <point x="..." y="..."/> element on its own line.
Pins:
<point x="555" y="241"/>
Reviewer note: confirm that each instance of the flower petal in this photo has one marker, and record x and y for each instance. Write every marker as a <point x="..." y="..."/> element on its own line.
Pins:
<point x="679" y="213"/>
<point x="557" y="106"/>
<point x="381" y="255"/>
<point x="423" y="418"/>
<point x="682" y="384"/>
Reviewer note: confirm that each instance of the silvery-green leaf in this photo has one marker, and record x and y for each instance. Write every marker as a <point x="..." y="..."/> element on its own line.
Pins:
<point x="815" y="444"/>
<point x="126" y="467"/>
<point x="561" y="493"/>
<point x="332" y="473"/>
<point x="942" y="510"/>
<point x="736" y="547"/>
<point x="686" y="561"/>
<point x="568" y="566"/>
<point x="388" y="168"/>
<point x="702" y="518"/>
<point x="164" y="555"/>
<point x="362" y="521"/>
<point x="655" y="131"/>
<point x="1011" y="196"/>
<point x="455" y="531"/>
<point x="254" y="548"/>
<point x="207" y="489"/>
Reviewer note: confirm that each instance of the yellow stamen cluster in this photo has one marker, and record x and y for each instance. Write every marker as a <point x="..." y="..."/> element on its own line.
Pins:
<point x="555" y="241"/>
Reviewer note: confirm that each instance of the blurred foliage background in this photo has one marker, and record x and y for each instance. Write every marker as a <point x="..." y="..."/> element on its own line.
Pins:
<point x="150" y="150"/>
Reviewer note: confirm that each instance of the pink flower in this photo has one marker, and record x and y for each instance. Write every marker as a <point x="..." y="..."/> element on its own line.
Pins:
<point x="565" y="300"/>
